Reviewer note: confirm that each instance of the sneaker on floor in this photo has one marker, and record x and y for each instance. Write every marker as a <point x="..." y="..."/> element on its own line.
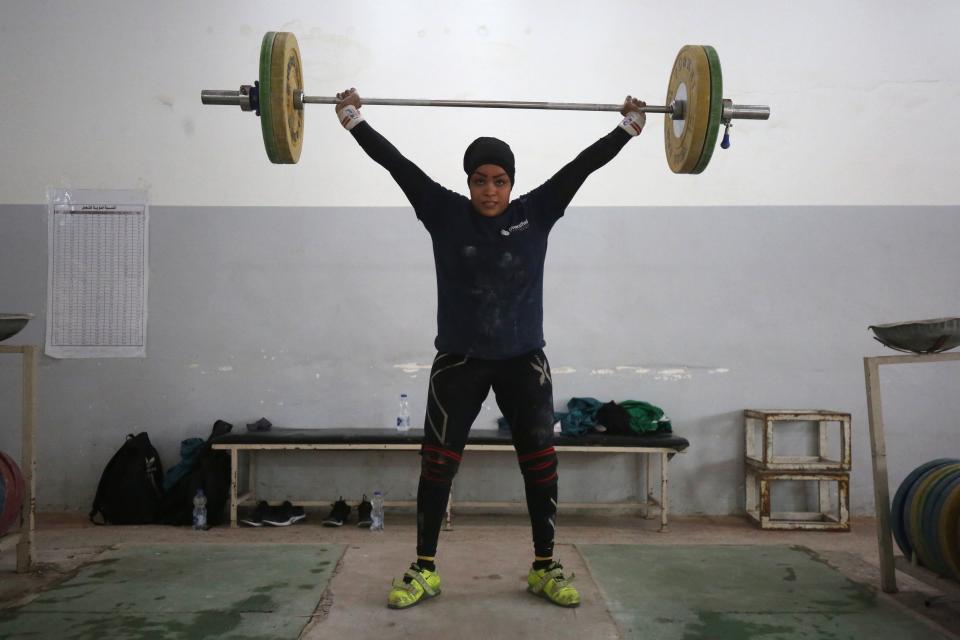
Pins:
<point x="417" y="585"/>
<point x="297" y="513"/>
<point x="364" y="511"/>
<point x="338" y="515"/>
<point x="550" y="583"/>
<point x="284" y="515"/>
<point x="255" y="519"/>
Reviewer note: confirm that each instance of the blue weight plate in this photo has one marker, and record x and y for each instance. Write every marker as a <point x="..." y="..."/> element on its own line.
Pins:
<point x="896" y="511"/>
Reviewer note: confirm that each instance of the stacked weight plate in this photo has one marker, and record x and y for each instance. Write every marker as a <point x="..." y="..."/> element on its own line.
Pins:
<point x="11" y="493"/>
<point x="925" y="516"/>
<point x="281" y="77"/>
<point x="697" y="81"/>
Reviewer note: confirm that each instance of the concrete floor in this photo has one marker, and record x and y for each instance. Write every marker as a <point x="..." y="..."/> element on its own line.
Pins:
<point x="483" y="562"/>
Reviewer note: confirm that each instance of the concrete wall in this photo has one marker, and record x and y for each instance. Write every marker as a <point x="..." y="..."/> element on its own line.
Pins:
<point x="322" y="317"/>
<point x="306" y="294"/>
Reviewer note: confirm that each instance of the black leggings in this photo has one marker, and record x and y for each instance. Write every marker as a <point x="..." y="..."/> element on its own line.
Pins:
<point x="524" y="392"/>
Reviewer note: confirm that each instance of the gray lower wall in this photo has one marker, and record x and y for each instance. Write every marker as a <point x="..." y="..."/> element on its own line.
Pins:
<point x="303" y="315"/>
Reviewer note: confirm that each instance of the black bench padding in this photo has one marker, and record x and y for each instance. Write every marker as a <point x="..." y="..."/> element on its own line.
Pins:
<point x="415" y="436"/>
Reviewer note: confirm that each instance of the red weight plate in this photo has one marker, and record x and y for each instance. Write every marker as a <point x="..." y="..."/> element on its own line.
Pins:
<point x="12" y="492"/>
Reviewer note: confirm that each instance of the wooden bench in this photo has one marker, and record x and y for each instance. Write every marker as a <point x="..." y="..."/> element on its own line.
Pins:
<point x="661" y="445"/>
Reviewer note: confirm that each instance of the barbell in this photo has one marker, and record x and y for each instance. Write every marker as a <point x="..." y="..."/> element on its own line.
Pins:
<point x="693" y="114"/>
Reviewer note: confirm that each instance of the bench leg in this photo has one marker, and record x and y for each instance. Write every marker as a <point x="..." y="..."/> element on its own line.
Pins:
<point x="647" y="493"/>
<point x="252" y="476"/>
<point x="234" y="467"/>
<point x="664" y="493"/>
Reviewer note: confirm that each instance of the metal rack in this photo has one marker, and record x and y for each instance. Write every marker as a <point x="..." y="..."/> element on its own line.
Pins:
<point x="881" y="490"/>
<point x="763" y="468"/>
<point x="28" y="461"/>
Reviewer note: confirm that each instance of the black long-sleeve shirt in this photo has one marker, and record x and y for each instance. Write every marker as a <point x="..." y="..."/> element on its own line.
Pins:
<point x="489" y="270"/>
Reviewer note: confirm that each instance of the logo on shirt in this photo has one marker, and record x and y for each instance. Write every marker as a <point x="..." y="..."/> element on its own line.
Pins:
<point x="520" y="226"/>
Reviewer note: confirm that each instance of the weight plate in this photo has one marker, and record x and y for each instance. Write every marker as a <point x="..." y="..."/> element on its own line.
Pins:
<point x="948" y="517"/>
<point x="922" y="472"/>
<point x="900" y="497"/>
<point x="266" y="121"/>
<point x="716" y="109"/>
<point x="915" y="513"/>
<point x="12" y="486"/>
<point x="913" y="509"/>
<point x="950" y="520"/>
<point x="286" y="78"/>
<point x="931" y="515"/>
<point x="691" y="80"/>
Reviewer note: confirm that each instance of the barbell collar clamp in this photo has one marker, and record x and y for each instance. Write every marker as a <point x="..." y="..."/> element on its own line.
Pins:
<point x="247" y="98"/>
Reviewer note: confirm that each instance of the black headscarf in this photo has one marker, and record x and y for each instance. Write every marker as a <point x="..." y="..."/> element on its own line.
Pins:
<point x="489" y="151"/>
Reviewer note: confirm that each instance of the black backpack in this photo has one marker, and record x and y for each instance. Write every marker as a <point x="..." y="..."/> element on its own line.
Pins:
<point x="131" y="486"/>
<point x="211" y="472"/>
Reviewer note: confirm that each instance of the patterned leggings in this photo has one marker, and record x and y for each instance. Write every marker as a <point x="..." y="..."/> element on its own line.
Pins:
<point x="524" y="392"/>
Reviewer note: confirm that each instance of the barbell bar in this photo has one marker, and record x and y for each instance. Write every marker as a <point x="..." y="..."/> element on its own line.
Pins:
<point x="730" y="111"/>
<point x="694" y="112"/>
<point x="236" y="98"/>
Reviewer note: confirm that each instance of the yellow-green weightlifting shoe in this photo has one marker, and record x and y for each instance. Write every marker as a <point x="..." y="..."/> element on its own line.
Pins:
<point x="423" y="584"/>
<point x="549" y="583"/>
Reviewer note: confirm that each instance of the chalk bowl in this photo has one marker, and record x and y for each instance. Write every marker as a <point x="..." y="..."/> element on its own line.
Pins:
<point x="920" y="336"/>
<point x="12" y="323"/>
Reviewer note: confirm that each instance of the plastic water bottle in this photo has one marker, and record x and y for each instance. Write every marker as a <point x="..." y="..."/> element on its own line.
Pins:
<point x="403" y="418"/>
<point x="376" y="517"/>
<point x="200" y="511"/>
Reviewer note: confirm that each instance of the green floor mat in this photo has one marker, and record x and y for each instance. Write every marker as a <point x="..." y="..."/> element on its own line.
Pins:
<point x="739" y="592"/>
<point x="182" y="591"/>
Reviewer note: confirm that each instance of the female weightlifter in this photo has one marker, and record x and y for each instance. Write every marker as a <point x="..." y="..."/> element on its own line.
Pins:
<point x="489" y="254"/>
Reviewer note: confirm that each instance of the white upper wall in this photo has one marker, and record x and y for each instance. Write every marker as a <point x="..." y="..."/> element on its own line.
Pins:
<point x="106" y="94"/>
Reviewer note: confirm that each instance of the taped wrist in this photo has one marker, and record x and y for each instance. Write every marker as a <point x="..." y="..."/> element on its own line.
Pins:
<point x="438" y="465"/>
<point x="633" y="122"/>
<point x="349" y="116"/>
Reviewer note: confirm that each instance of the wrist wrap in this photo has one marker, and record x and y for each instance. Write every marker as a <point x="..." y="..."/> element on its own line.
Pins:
<point x="349" y="116"/>
<point x="633" y="122"/>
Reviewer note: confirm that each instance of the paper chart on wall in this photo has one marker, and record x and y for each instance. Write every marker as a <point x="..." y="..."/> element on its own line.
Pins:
<point x="97" y="273"/>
